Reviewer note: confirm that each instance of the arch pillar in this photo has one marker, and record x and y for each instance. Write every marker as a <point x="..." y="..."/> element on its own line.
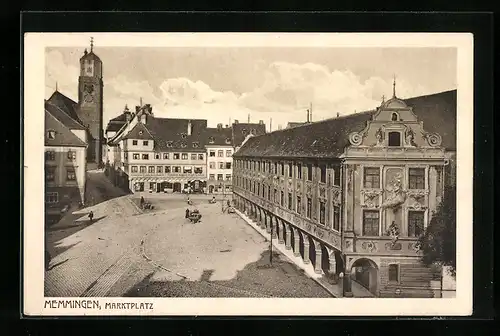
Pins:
<point x="305" y="238"/>
<point x="288" y="240"/>
<point x="269" y="220"/>
<point x="296" y="242"/>
<point x="332" y="261"/>
<point x="274" y="222"/>
<point x="319" y="252"/>
<point x="281" y="236"/>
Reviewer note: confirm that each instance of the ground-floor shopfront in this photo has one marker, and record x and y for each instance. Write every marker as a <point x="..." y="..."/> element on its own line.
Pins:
<point x="167" y="185"/>
<point x="383" y="276"/>
<point x="219" y="187"/>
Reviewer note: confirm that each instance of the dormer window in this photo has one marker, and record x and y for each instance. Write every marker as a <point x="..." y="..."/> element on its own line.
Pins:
<point x="211" y="140"/>
<point x="170" y="143"/>
<point x="394" y="117"/>
<point x="394" y="139"/>
<point x="228" y="140"/>
<point x="51" y="134"/>
<point x="183" y="135"/>
<point x="141" y="132"/>
<point x="196" y="144"/>
<point x="183" y="145"/>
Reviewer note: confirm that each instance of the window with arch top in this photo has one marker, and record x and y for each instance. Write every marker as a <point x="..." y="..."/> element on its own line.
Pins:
<point x="394" y="117"/>
<point x="394" y="139"/>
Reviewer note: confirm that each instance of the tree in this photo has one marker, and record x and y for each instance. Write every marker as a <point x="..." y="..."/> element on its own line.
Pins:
<point x="438" y="243"/>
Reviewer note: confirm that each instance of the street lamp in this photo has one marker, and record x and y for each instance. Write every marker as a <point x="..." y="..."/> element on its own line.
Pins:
<point x="271" y="245"/>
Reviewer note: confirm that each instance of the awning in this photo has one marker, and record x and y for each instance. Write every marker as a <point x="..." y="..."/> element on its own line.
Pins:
<point x="164" y="179"/>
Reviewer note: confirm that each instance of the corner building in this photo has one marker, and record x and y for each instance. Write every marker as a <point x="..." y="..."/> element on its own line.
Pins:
<point x="352" y="194"/>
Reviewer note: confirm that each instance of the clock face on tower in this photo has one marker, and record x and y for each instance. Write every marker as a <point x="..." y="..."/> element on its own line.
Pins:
<point x="88" y="68"/>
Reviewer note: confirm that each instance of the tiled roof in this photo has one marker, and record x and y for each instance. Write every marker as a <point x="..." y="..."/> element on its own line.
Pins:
<point x="328" y="138"/>
<point x="295" y="124"/>
<point x="139" y="132"/>
<point x="172" y="130"/>
<point x="220" y="136"/>
<point x="241" y="130"/>
<point x="114" y="126"/>
<point x="64" y="118"/>
<point x="68" y="105"/>
<point x="63" y="135"/>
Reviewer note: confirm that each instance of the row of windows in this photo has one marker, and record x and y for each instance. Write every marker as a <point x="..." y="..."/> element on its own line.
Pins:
<point x="278" y="197"/>
<point x="221" y="165"/>
<point x="51" y="155"/>
<point x="416" y="178"/>
<point x="166" y="169"/>
<point x="169" y="143"/>
<point x="166" y="156"/>
<point x="279" y="169"/>
<point x="220" y="153"/>
<point x="50" y="174"/>
<point x="371" y="223"/>
<point x="220" y="177"/>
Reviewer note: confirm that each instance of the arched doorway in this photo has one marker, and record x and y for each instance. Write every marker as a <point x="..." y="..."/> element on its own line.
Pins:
<point x="365" y="272"/>
<point x="177" y="187"/>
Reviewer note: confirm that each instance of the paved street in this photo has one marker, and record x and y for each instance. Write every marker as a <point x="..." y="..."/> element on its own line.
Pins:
<point x="160" y="253"/>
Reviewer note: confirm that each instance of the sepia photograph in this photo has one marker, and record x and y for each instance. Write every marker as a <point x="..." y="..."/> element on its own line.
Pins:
<point x="240" y="168"/>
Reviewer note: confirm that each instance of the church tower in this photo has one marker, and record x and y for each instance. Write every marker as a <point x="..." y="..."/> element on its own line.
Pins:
<point x="90" y="102"/>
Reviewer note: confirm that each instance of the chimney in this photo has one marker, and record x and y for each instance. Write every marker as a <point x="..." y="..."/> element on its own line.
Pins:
<point x="307" y="120"/>
<point x="261" y="122"/>
<point x="236" y="121"/>
<point x="227" y="126"/>
<point x="338" y="114"/>
<point x="270" y="124"/>
<point x="137" y="109"/>
<point x="189" y="127"/>
<point x="249" y="118"/>
<point x="219" y="126"/>
<point x="144" y="119"/>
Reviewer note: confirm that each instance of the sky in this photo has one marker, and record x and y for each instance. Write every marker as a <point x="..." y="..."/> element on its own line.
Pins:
<point x="223" y="84"/>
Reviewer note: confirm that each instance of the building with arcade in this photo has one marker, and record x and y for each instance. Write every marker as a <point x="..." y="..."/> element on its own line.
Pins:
<point x="351" y="195"/>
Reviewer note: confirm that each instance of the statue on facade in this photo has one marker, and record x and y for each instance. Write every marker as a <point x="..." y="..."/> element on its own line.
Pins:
<point x="409" y="137"/>
<point x="397" y="197"/>
<point x="393" y="232"/>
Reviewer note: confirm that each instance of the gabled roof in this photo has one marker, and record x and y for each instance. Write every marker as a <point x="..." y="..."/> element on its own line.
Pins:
<point x="328" y="138"/>
<point x="139" y="132"/>
<point x="63" y="136"/>
<point x="69" y="106"/>
<point x="241" y="130"/>
<point x="64" y="118"/>
<point x="90" y="55"/>
<point x="114" y="127"/>
<point x="219" y="136"/>
<point x="174" y="131"/>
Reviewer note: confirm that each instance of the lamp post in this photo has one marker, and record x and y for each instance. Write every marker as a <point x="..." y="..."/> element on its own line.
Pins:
<point x="271" y="245"/>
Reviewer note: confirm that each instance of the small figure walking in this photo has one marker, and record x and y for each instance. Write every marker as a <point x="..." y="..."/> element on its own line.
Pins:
<point x="91" y="216"/>
<point x="187" y="213"/>
<point x="142" y="201"/>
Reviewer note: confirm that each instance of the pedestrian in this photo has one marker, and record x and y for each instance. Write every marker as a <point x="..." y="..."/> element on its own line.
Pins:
<point x="91" y="216"/>
<point x="142" y="201"/>
<point x="187" y="213"/>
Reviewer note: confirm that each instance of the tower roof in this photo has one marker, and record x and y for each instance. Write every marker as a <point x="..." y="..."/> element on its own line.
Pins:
<point x="90" y="55"/>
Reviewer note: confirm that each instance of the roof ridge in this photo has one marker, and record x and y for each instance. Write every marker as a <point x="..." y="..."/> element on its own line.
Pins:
<point x="63" y="95"/>
<point x="66" y="114"/>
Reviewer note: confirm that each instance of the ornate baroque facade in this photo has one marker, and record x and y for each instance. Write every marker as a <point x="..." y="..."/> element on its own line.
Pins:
<point x="352" y="194"/>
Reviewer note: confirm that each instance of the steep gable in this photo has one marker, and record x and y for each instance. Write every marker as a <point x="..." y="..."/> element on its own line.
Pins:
<point x="63" y="135"/>
<point x="64" y="118"/>
<point x="69" y="106"/>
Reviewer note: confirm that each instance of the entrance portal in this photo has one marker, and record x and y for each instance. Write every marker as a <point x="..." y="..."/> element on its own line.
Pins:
<point x="177" y="187"/>
<point x="365" y="272"/>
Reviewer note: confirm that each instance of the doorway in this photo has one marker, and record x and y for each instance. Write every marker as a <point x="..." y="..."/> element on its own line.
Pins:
<point x="177" y="187"/>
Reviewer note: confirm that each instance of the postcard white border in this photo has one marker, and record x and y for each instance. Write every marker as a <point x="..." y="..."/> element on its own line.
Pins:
<point x="34" y="78"/>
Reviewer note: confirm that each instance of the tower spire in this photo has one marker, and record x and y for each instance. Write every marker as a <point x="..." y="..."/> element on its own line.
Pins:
<point x="91" y="44"/>
<point x="56" y="86"/>
<point x="394" y="87"/>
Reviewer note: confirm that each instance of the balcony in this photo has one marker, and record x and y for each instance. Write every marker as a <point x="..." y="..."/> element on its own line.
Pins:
<point x="383" y="245"/>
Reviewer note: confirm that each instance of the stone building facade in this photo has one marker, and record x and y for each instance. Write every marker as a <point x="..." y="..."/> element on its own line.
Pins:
<point x="219" y="151"/>
<point x="352" y="194"/>
<point x="65" y="162"/>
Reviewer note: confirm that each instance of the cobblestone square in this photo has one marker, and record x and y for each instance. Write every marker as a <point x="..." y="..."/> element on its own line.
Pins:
<point x="160" y="253"/>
